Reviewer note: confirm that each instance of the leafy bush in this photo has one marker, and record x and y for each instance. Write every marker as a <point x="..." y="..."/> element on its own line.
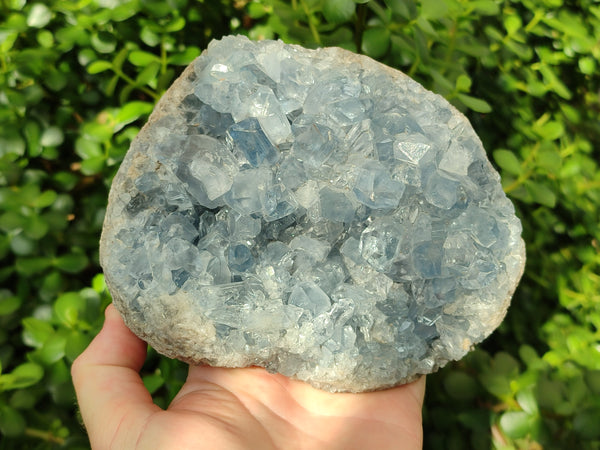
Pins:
<point x="78" y="79"/>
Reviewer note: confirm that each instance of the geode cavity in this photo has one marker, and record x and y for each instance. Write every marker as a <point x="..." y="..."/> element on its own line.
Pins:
<point x="313" y="212"/>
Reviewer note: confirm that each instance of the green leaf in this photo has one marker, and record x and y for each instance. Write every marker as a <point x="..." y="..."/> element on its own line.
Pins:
<point x="504" y="363"/>
<point x="22" y="399"/>
<point x="9" y="303"/>
<point x="67" y="308"/>
<point x="175" y="25"/>
<point x="97" y="131"/>
<point x="32" y="265"/>
<point x="592" y="379"/>
<point x="87" y="148"/>
<point x="442" y="81"/>
<point x="460" y="386"/>
<point x="8" y="42"/>
<point x="541" y="193"/>
<point x="586" y="423"/>
<point x="132" y="111"/>
<point x="21" y="245"/>
<point x="45" y="38"/>
<point x="52" y="137"/>
<point x="123" y="12"/>
<point x="147" y="75"/>
<point x="98" y="284"/>
<point x="549" y="159"/>
<point x="119" y="60"/>
<point x="516" y="424"/>
<point x="52" y="351"/>
<point x="257" y="10"/>
<point x="32" y="133"/>
<point x="72" y="262"/>
<point x="528" y="354"/>
<point x="587" y="65"/>
<point x="526" y="400"/>
<point x="485" y="7"/>
<point x="39" y="16"/>
<point x="65" y="180"/>
<point x="338" y="11"/>
<point x="463" y="83"/>
<point x="36" y="332"/>
<point x="11" y="143"/>
<point x="22" y="376"/>
<point x="77" y="342"/>
<point x="512" y="23"/>
<point x="44" y="200"/>
<point x="36" y="227"/>
<point x="110" y="87"/>
<point x="92" y="166"/>
<point x="475" y="104"/>
<point x="551" y="130"/>
<point x="376" y="42"/>
<point x="12" y="423"/>
<point x="12" y="220"/>
<point x="141" y="58"/>
<point x="508" y="161"/>
<point x="99" y="66"/>
<point x="554" y="83"/>
<point x="149" y="37"/>
<point x="426" y="26"/>
<point x="185" y="57"/>
<point x="104" y="42"/>
<point x="433" y="9"/>
<point x="153" y="382"/>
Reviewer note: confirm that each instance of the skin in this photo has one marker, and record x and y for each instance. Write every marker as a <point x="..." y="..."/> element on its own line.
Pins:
<point x="231" y="409"/>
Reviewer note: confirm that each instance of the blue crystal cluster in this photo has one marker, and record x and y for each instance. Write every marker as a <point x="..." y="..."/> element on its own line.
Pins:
<point x="312" y="212"/>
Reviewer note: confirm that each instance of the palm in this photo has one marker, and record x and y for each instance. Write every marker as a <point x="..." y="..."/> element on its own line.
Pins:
<point x="233" y="408"/>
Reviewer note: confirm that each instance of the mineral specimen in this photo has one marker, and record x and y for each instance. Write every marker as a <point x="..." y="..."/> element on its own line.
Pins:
<point x="313" y="212"/>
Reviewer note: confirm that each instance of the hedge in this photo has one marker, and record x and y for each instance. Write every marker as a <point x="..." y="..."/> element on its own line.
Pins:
<point x="79" y="77"/>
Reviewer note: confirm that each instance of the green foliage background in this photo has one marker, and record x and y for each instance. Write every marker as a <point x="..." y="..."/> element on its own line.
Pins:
<point x="79" y="77"/>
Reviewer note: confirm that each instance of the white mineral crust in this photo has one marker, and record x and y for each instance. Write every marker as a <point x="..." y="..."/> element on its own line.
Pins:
<point x="313" y="212"/>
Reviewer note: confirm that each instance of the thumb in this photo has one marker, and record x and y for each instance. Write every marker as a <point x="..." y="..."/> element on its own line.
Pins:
<point x="112" y="398"/>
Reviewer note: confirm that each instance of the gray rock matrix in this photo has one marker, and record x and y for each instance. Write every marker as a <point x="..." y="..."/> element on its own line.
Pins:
<point x="313" y="212"/>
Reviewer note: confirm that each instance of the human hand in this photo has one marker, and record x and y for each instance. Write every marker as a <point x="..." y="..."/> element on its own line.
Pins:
<point x="220" y="408"/>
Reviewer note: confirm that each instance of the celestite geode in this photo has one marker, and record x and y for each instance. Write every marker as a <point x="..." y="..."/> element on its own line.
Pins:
<point x="313" y="212"/>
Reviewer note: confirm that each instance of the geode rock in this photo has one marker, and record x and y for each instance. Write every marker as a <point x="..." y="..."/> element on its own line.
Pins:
<point x="313" y="212"/>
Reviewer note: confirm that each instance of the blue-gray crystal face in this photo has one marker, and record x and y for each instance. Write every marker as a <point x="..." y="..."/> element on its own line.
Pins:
<point x="312" y="212"/>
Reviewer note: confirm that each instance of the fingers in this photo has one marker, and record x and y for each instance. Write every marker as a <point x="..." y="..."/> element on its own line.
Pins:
<point x="112" y="398"/>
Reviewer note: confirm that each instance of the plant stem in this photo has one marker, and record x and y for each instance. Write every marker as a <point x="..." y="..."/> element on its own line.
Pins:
<point x="450" y="52"/>
<point x="311" y="25"/>
<point x="131" y="81"/>
<point x="44" y="435"/>
<point x="523" y="177"/>
<point x="378" y="10"/>
<point x="361" y="18"/>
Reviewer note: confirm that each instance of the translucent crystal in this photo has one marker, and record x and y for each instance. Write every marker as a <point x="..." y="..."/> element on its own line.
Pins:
<point x="312" y="212"/>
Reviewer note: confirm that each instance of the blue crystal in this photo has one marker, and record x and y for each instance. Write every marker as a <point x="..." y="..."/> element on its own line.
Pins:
<point x="310" y="297"/>
<point x="441" y="191"/>
<point x="375" y="188"/>
<point x="314" y="144"/>
<point x="427" y="260"/>
<point x="250" y="138"/>
<point x="240" y="258"/>
<point x="336" y="206"/>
